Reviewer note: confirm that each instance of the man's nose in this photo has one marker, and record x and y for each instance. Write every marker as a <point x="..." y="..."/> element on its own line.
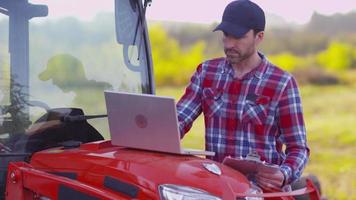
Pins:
<point x="229" y="42"/>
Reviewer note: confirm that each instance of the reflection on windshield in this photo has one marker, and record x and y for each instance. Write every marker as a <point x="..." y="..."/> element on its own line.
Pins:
<point x="77" y="60"/>
<point x="72" y="61"/>
<point x="67" y="73"/>
<point x="54" y="69"/>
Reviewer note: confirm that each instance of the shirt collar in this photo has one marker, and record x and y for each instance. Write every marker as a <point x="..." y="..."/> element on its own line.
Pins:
<point x="260" y="70"/>
<point x="257" y="72"/>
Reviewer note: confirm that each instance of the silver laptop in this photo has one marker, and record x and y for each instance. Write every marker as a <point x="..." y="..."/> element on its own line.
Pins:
<point x="146" y="122"/>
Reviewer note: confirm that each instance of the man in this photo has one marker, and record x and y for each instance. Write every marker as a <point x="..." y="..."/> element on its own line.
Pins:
<point x="249" y="105"/>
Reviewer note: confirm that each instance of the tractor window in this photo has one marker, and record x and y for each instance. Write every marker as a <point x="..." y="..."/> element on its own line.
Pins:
<point x="74" y="57"/>
<point x="65" y="54"/>
<point x="4" y="72"/>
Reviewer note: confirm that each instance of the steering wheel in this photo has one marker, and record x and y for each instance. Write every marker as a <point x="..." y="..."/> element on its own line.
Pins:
<point x="34" y="103"/>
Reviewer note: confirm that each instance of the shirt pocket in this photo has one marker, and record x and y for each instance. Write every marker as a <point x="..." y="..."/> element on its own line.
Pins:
<point x="254" y="112"/>
<point x="212" y="102"/>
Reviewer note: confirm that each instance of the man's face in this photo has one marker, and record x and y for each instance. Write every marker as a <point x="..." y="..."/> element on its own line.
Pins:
<point x="239" y="49"/>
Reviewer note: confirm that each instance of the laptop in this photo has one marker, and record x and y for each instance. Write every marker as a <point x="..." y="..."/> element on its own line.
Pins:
<point x="147" y="122"/>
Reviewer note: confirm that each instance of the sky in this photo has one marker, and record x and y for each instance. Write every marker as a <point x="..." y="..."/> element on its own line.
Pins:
<point x="205" y="11"/>
<point x="209" y="11"/>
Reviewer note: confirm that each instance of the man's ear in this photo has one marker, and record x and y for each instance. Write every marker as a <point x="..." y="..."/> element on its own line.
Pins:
<point x="259" y="37"/>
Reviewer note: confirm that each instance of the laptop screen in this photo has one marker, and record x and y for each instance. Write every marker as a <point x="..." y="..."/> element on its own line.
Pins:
<point x="143" y="121"/>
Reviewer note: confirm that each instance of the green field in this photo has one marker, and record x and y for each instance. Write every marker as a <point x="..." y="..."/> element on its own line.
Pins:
<point x="330" y="117"/>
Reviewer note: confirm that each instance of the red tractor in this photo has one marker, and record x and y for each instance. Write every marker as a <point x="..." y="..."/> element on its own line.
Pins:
<point x="56" y="60"/>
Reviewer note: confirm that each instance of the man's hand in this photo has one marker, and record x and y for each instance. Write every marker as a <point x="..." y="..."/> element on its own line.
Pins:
<point x="270" y="181"/>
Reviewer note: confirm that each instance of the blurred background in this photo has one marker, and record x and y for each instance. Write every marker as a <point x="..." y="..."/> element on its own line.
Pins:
<point x="313" y="40"/>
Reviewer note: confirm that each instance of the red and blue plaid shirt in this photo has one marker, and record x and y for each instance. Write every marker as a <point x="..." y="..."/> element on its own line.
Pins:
<point x="257" y="113"/>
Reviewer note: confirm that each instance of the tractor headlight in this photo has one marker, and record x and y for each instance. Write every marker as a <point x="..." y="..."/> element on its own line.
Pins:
<point x="177" y="192"/>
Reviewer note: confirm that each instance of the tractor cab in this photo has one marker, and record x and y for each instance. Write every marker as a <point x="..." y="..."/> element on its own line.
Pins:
<point x="56" y="60"/>
<point x="64" y="55"/>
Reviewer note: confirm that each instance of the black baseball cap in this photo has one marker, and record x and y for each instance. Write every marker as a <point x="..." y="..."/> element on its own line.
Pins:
<point x="241" y="16"/>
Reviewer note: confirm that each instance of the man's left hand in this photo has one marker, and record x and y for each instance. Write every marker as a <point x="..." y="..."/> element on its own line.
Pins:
<point x="270" y="181"/>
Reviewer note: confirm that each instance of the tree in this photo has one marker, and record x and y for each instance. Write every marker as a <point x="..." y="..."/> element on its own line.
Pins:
<point x="337" y="57"/>
<point x="172" y="65"/>
<point x="286" y="61"/>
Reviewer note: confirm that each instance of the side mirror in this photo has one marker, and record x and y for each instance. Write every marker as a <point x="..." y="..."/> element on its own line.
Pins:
<point x="131" y="32"/>
<point x="130" y="25"/>
<point x="127" y="23"/>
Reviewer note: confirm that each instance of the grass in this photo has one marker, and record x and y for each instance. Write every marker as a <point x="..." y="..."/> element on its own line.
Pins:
<point x="330" y="116"/>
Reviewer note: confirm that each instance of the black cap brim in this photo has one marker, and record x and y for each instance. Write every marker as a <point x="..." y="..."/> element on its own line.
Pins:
<point x="232" y="29"/>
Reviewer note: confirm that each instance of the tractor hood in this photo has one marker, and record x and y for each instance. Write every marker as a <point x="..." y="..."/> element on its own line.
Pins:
<point x="99" y="163"/>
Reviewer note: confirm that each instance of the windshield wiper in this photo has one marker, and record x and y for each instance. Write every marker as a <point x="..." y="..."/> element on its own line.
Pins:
<point x="140" y="19"/>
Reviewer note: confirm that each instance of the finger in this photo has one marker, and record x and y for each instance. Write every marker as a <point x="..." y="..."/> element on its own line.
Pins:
<point x="277" y="177"/>
<point x="268" y="186"/>
<point x="265" y="186"/>
<point x="268" y="175"/>
<point x="276" y="183"/>
<point x="265" y="180"/>
<point x="272" y="180"/>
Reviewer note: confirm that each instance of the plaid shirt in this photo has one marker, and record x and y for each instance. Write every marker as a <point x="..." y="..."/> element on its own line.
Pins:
<point x="257" y="113"/>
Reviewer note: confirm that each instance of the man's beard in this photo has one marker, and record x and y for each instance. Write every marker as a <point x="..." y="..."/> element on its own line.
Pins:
<point x="235" y="56"/>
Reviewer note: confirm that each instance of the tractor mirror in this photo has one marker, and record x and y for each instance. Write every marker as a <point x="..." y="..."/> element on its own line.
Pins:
<point x="127" y="22"/>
